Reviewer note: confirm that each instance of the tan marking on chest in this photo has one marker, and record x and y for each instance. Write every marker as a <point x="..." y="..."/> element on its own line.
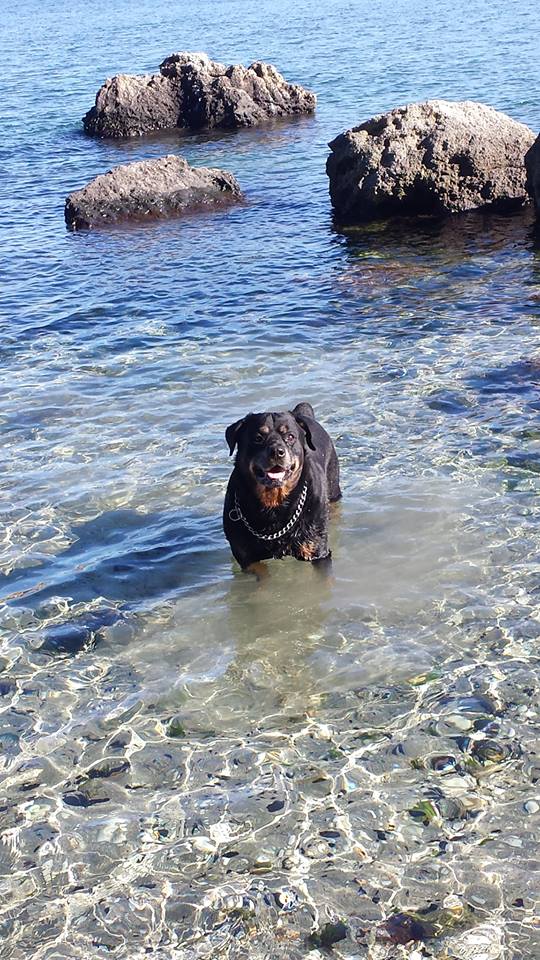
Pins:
<point x="270" y="497"/>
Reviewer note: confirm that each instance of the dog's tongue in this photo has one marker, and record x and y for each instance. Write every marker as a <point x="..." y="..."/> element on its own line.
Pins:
<point x="276" y="473"/>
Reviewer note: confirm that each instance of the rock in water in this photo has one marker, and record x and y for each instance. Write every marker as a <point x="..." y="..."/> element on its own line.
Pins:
<point x="128" y="106"/>
<point x="193" y="92"/>
<point x="532" y="164"/>
<point x="79" y="634"/>
<point x="436" y="157"/>
<point x="150" y="188"/>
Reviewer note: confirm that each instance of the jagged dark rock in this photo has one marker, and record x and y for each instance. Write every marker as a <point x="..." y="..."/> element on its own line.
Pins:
<point x="193" y="92"/>
<point x="437" y="157"/>
<point x="149" y="188"/>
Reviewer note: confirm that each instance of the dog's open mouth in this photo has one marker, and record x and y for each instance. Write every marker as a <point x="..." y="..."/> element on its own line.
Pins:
<point x="277" y="473"/>
<point x="273" y="476"/>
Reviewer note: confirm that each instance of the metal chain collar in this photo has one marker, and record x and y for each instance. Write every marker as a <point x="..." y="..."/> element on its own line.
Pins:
<point x="236" y="514"/>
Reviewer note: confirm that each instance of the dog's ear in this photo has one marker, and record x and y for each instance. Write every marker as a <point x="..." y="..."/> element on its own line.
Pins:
<point x="304" y="423"/>
<point x="231" y="434"/>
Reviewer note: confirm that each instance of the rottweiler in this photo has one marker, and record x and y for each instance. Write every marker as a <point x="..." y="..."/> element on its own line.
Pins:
<point x="285" y="475"/>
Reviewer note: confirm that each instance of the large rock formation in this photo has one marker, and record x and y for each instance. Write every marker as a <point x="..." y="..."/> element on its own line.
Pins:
<point x="150" y="188"/>
<point x="193" y="92"/>
<point x="429" y="158"/>
<point x="532" y="165"/>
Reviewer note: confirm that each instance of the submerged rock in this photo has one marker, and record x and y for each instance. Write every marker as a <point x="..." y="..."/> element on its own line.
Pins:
<point x="79" y="798"/>
<point x="80" y="634"/>
<point x="193" y="92"/>
<point x="286" y="900"/>
<point x="175" y="728"/>
<point x="107" y="768"/>
<point x="437" y="157"/>
<point x="403" y="928"/>
<point x="68" y="638"/>
<point x="483" y="942"/>
<point x="431" y="921"/>
<point x="329" y="934"/>
<point x="149" y="188"/>
<point x="491" y="751"/>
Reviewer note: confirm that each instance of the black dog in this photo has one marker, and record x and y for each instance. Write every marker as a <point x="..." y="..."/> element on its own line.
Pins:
<point x="286" y="473"/>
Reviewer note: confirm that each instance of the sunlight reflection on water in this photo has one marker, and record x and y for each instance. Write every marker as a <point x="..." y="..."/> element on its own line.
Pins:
<point x="196" y="764"/>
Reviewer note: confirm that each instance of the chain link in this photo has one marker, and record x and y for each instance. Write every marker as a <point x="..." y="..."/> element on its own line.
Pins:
<point x="237" y="514"/>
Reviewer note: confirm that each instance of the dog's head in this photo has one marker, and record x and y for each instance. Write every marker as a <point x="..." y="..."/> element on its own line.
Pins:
<point x="271" y="452"/>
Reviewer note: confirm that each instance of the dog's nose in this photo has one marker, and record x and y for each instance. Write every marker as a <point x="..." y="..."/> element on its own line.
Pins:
<point x="279" y="452"/>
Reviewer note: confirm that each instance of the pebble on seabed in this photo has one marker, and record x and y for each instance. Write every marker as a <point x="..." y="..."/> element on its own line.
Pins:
<point x="484" y="942"/>
<point x="490" y="751"/>
<point x="203" y="845"/>
<point x="286" y="900"/>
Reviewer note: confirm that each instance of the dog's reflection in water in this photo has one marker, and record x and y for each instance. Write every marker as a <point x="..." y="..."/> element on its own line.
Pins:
<point x="278" y="625"/>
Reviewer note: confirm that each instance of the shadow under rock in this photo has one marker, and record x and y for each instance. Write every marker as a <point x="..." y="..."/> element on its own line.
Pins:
<point x="449" y="238"/>
<point x="272" y="134"/>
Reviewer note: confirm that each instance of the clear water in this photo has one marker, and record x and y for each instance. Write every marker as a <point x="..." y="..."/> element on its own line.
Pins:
<point x="196" y="765"/>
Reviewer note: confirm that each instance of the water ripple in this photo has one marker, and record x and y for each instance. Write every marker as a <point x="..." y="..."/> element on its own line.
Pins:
<point x="195" y="764"/>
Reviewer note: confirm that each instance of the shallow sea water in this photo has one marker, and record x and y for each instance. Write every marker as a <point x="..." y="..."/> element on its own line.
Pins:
<point x="196" y="765"/>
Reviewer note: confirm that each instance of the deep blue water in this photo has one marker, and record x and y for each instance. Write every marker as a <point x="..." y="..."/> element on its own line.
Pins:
<point x="155" y="703"/>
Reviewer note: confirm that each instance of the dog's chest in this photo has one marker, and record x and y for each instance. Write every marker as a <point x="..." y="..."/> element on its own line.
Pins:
<point x="301" y="543"/>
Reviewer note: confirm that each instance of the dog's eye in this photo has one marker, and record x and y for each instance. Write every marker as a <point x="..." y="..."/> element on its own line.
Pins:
<point x="259" y="438"/>
<point x="290" y="438"/>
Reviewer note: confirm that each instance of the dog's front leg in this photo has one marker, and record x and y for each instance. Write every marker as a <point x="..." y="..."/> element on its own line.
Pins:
<point x="245" y="559"/>
<point x="323" y="566"/>
<point x="259" y="569"/>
